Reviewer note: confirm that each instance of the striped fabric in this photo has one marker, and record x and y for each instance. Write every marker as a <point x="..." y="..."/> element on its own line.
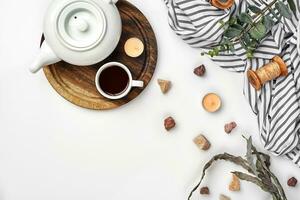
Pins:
<point x="277" y="103"/>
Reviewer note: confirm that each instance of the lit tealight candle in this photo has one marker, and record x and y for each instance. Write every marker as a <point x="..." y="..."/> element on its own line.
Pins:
<point x="211" y="102"/>
<point x="134" y="47"/>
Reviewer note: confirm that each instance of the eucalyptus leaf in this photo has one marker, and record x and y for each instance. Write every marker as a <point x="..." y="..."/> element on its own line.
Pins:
<point x="268" y="22"/>
<point x="231" y="48"/>
<point x="292" y="6"/>
<point x="232" y="20"/>
<point x="245" y="18"/>
<point x="247" y="39"/>
<point x="254" y="9"/>
<point x="237" y="26"/>
<point x="258" y="32"/>
<point x="283" y="10"/>
<point x="232" y="32"/>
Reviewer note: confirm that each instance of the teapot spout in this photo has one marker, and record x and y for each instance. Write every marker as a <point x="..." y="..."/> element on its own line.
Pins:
<point x="46" y="57"/>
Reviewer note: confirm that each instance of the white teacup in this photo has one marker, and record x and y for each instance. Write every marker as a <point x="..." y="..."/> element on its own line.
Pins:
<point x="114" y="81"/>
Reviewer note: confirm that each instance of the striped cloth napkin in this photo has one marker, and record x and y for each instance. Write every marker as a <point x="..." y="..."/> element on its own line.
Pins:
<point x="277" y="103"/>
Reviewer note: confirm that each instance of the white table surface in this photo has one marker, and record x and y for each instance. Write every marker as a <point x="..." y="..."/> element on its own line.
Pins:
<point x="51" y="149"/>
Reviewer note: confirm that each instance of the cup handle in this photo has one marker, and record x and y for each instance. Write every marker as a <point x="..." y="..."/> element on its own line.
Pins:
<point x="112" y="1"/>
<point x="139" y="84"/>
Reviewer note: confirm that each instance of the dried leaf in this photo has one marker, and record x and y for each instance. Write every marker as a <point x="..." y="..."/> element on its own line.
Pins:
<point x="261" y="176"/>
<point x="265" y="162"/>
<point x="249" y="155"/>
<point x="227" y="157"/>
<point x="252" y="179"/>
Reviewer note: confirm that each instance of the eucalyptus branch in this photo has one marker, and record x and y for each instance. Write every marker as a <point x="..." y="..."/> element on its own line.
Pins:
<point x="249" y="30"/>
<point x="256" y="19"/>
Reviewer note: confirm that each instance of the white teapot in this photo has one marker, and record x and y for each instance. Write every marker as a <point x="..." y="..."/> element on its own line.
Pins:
<point x="80" y="32"/>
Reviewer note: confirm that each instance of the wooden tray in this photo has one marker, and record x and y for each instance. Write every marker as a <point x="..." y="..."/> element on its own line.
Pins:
<point x="76" y="84"/>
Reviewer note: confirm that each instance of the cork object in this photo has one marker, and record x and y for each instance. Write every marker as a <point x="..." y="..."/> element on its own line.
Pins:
<point x="268" y="72"/>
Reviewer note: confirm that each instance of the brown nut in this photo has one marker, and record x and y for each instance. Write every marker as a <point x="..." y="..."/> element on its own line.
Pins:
<point x="235" y="183"/>
<point x="169" y="123"/>
<point x="202" y="142"/>
<point x="292" y="182"/>
<point x="164" y="85"/>
<point x="229" y="127"/>
<point x="200" y="71"/>
<point x="223" y="197"/>
<point x="204" y="191"/>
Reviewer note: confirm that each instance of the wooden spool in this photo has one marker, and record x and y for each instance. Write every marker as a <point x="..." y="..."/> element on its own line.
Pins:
<point x="268" y="72"/>
<point x="222" y="4"/>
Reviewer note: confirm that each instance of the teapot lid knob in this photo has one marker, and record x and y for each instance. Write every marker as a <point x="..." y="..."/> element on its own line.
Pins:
<point x="81" y="25"/>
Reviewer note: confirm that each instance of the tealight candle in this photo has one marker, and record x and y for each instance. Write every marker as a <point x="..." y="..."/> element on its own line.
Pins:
<point x="211" y="102"/>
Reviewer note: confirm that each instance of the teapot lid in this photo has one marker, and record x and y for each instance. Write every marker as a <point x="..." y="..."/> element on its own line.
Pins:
<point x="81" y="25"/>
<point x="82" y="32"/>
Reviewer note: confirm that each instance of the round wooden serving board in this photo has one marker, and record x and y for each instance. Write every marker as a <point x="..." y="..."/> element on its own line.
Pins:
<point x="77" y="84"/>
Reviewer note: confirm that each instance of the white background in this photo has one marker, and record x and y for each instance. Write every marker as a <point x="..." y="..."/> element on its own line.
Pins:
<point x="51" y="149"/>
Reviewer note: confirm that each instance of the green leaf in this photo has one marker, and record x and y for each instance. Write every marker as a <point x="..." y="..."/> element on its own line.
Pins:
<point x="258" y="32"/>
<point x="237" y="26"/>
<point x="232" y="32"/>
<point x="232" y="20"/>
<point x="292" y="6"/>
<point x="268" y="22"/>
<point x="254" y="9"/>
<point x="283" y="10"/>
<point x="243" y="44"/>
<point x="245" y="18"/>
<point x="247" y="39"/>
